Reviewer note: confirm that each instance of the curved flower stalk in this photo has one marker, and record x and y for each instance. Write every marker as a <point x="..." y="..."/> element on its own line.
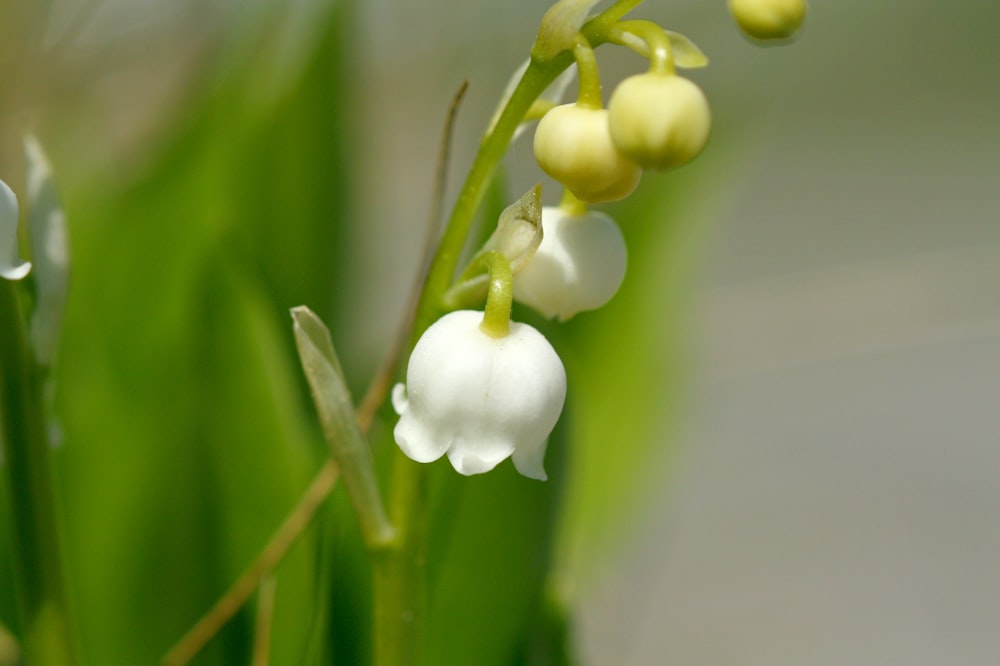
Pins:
<point x="11" y="265"/>
<point x="579" y="265"/>
<point x="478" y="398"/>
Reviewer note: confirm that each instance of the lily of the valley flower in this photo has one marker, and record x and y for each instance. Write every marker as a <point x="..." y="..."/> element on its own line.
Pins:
<point x="11" y="266"/>
<point x="579" y="264"/>
<point x="478" y="398"/>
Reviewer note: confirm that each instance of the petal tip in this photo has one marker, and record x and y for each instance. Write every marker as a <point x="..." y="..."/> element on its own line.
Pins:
<point x="16" y="271"/>
<point x="399" y="399"/>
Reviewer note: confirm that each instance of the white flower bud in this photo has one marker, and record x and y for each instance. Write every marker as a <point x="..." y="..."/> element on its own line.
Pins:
<point x="768" y="19"/>
<point x="11" y="266"/>
<point x="660" y="121"/>
<point x="573" y="145"/>
<point x="579" y="265"/>
<point x="479" y="399"/>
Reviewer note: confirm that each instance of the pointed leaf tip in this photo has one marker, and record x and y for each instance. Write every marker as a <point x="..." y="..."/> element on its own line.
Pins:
<point x="687" y="55"/>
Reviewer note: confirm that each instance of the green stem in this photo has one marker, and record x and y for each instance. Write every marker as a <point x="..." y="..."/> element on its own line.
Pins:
<point x="536" y="78"/>
<point x="655" y="39"/>
<point x="400" y="572"/>
<point x="571" y="204"/>
<point x="496" y="319"/>
<point x="400" y="569"/>
<point x="46" y="627"/>
<point x="590" y="76"/>
<point x="615" y="12"/>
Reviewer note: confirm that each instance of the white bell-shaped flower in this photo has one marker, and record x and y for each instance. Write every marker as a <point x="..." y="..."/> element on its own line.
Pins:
<point x="479" y="398"/>
<point x="578" y="266"/>
<point x="11" y="266"/>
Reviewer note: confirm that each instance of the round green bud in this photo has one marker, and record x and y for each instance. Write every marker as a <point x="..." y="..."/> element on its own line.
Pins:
<point x="659" y="121"/>
<point x="768" y="19"/>
<point x="573" y="145"/>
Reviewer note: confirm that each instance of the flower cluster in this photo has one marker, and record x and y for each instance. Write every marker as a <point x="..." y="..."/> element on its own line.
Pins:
<point x="656" y="120"/>
<point x="653" y="121"/>
<point x="480" y="388"/>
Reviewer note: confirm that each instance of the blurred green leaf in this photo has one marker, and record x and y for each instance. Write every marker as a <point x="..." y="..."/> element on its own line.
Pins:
<point x="187" y="434"/>
<point x="627" y="365"/>
<point x="490" y="550"/>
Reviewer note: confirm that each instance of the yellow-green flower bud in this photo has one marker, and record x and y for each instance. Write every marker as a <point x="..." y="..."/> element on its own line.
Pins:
<point x="768" y="19"/>
<point x="660" y="121"/>
<point x="573" y="145"/>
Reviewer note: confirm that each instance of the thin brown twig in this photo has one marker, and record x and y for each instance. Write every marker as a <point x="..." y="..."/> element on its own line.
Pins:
<point x="382" y="381"/>
<point x="265" y="616"/>
<point x="234" y="598"/>
<point x="10" y="651"/>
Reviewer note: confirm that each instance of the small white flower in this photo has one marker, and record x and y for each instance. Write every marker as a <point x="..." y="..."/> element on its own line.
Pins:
<point x="11" y="266"/>
<point x="579" y="264"/>
<point x="480" y="399"/>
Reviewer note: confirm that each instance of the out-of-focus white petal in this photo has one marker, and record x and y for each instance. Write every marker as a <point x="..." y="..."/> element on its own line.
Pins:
<point x="529" y="461"/>
<point x="47" y="224"/>
<point x="479" y="398"/>
<point x="11" y="266"/>
<point x="579" y="265"/>
<point x="399" y="400"/>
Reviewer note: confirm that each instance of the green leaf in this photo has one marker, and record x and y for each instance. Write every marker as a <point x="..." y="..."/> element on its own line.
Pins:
<point x="628" y="369"/>
<point x="336" y="413"/>
<point x="188" y="434"/>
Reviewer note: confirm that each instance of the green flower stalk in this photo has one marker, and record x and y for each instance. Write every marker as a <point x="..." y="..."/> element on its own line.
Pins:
<point x="46" y="631"/>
